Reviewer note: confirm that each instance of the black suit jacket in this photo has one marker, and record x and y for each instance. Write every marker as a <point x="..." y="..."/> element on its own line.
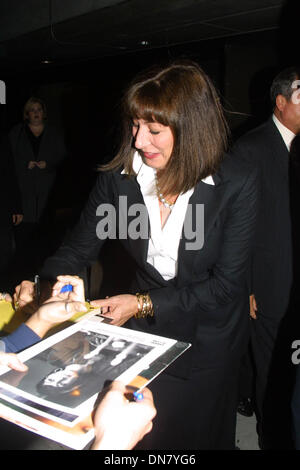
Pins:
<point x="207" y="302"/>
<point x="271" y="273"/>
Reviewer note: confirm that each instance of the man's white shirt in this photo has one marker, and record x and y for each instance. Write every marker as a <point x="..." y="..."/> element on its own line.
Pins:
<point x="285" y="133"/>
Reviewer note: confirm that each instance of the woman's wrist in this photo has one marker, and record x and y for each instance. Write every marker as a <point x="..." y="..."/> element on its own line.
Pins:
<point x="38" y="325"/>
<point x="115" y="438"/>
<point x="106" y="442"/>
<point x="145" y="306"/>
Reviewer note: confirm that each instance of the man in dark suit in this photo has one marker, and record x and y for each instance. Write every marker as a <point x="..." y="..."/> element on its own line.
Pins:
<point x="268" y="147"/>
<point x="295" y="296"/>
<point x="296" y="410"/>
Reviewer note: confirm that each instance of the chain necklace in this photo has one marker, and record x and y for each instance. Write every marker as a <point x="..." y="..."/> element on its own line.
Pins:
<point x="162" y="199"/>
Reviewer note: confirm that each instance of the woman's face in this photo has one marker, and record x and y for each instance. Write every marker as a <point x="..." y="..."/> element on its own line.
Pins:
<point x="35" y="114"/>
<point x="154" y="141"/>
<point x="62" y="377"/>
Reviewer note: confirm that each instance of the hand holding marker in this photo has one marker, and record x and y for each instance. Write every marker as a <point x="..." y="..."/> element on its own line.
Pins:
<point x="63" y="286"/>
<point x="66" y="288"/>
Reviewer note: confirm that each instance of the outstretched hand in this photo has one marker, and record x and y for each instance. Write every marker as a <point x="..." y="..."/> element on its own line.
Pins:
<point x="60" y="307"/>
<point x="11" y="360"/>
<point x="53" y="312"/>
<point x="77" y="294"/>
<point x="24" y="295"/>
<point x="119" y="307"/>
<point x="120" y="424"/>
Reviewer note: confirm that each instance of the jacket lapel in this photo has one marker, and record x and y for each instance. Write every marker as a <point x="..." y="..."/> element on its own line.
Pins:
<point x="129" y="188"/>
<point x="281" y="153"/>
<point x="203" y="219"/>
<point x="206" y="200"/>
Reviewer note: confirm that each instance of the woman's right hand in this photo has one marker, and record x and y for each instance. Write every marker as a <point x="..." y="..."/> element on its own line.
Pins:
<point x="120" y="308"/>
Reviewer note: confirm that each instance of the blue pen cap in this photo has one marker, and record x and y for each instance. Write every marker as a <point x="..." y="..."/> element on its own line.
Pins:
<point x="138" y="395"/>
<point x="66" y="288"/>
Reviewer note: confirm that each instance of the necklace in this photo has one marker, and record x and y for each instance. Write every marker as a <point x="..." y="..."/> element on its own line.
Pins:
<point x="162" y="199"/>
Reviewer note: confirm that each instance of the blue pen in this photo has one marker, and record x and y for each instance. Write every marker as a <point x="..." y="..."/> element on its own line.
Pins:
<point x="37" y="288"/>
<point x="66" y="288"/>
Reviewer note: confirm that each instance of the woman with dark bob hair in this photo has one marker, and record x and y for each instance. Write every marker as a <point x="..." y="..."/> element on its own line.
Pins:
<point x="185" y="211"/>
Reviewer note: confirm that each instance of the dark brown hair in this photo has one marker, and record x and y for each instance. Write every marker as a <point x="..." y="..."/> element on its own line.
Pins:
<point x="182" y="97"/>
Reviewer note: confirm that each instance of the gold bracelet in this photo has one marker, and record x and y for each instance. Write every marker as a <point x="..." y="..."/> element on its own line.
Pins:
<point x="145" y="307"/>
<point x="139" y="305"/>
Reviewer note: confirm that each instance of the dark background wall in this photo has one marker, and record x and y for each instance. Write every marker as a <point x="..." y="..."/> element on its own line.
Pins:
<point x="83" y="98"/>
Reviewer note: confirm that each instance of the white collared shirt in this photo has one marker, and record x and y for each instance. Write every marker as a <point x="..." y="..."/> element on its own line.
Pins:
<point x="285" y="133"/>
<point x="164" y="241"/>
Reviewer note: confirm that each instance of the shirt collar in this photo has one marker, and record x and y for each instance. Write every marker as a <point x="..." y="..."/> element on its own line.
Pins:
<point x="146" y="173"/>
<point x="285" y="133"/>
